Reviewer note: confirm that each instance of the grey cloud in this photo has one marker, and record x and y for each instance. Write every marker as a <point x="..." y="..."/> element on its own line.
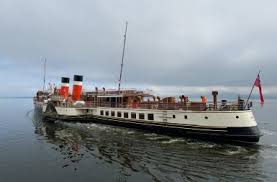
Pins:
<point x="177" y="43"/>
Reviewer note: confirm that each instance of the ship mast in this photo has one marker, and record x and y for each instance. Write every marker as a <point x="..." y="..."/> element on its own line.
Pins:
<point x="44" y="74"/>
<point x="123" y="53"/>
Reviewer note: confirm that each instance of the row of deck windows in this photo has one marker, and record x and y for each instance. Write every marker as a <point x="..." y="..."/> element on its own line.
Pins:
<point x="133" y="115"/>
<point x="141" y="115"/>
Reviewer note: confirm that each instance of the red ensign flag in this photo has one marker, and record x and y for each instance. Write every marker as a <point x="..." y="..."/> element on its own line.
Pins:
<point x="258" y="84"/>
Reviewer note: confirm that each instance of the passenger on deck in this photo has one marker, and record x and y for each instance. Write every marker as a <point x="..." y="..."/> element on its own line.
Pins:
<point x="203" y="99"/>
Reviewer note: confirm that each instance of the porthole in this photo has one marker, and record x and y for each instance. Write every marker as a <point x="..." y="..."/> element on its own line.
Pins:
<point x="186" y="117"/>
<point x="206" y="117"/>
<point x="237" y="117"/>
<point x="173" y="116"/>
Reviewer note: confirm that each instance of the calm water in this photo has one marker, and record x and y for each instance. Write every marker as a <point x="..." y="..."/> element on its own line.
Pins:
<point x="31" y="150"/>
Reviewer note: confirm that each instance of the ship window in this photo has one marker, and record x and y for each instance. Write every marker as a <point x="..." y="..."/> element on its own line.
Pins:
<point x="112" y="113"/>
<point x="107" y="113"/>
<point x="173" y="116"/>
<point x="118" y="114"/>
<point x="125" y="115"/>
<point x="150" y="116"/>
<point x="186" y="117"/>
<point x="102" y="112"/>
<point x="206" y="117"/>
<point x="141" y="115"/>
<point x="237" y="117"/>
<point x="133" y="115"/>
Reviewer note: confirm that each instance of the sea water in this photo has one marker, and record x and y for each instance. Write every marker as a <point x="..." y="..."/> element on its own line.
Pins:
<point x="31" y="150"/>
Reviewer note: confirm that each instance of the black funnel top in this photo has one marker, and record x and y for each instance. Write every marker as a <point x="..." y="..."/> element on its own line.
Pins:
<point x="65" y="80"/>
<point x="78" y="78"/>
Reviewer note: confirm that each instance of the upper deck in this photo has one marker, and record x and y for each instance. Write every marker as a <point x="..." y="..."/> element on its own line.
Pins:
<point x="144" y="100"/>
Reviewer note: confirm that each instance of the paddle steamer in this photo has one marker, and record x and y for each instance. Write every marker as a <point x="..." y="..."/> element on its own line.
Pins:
<point x="224" y="121"/>
<point x="216" y="120"/>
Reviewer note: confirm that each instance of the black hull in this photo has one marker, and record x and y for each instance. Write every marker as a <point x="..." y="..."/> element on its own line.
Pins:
<point x="250" y="135"/>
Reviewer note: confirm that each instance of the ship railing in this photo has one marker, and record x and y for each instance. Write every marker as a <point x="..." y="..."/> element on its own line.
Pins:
<point x="190" y="106"/>
<point x="115" y="92"/>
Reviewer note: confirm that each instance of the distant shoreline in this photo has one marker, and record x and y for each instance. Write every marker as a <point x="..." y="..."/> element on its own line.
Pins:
<point x="11" y="97"/>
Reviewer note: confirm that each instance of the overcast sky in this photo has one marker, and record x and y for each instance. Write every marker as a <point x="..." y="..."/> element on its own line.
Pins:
<point x="191" y="46"/>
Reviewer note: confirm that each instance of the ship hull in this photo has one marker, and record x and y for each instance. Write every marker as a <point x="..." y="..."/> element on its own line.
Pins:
<point x="248" y="135"/>
<point x="238" y="134"/>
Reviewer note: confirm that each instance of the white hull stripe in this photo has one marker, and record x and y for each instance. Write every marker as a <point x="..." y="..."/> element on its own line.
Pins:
<point x="78" y="83"/>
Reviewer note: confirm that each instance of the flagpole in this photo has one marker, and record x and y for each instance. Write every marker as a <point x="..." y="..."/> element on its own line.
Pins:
<point x="44" y="74"/>
<point x="251" y="91"/>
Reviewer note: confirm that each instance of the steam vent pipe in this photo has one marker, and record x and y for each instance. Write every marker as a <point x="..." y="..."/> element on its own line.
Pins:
<point x="64" y="87"/>
<point x="215" y="93"/>
<point x="77" y="87"/>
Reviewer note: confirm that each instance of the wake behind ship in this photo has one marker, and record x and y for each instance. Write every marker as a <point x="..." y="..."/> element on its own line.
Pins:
<point x="216" y="120"/>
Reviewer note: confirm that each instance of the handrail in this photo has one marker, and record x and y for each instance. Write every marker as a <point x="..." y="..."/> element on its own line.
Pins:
<point x="192" y="106"/>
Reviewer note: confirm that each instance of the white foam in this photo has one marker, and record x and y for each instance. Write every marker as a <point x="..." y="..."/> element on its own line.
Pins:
<point x="173" y="141"/>
<point x="268" y="132"/>
<point x="237" y="150"/>
<point x="273" y="145"/>
<point x="97" y="126"/>
<point x="208" y="145"/>
<point x="270" y="154"/>
<point x="150" y="134"/>
<point x="157" y="138"/>
<point x="200" y="144"/>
